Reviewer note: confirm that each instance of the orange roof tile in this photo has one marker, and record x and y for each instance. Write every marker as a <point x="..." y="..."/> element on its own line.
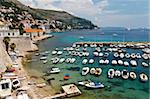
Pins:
<point x="33" y="30"/>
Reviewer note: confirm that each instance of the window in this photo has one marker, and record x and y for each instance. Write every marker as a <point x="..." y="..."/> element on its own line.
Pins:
<point x="8" y="33"/>
<point x="5" y="86"/>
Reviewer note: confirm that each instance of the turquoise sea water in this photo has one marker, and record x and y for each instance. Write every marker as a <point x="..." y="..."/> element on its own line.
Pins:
<point x="119" y="88"/>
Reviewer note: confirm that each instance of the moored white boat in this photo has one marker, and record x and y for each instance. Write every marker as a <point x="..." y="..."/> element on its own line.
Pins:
<point x="127" y="55"/>
<point x="92" y="71"/>
<point x="84" y="61"/>
<point x="98" y="71"/>
<point x="43" y="58"/>
<point x="117" y="73"/>
<point x="120" y="62"/>
<point x="132" y="75"/>
<point x="133" y="63"/>
<point x="125" y="74"/>
<point x="145" y="64"/>
<point x="100" y="54"/>
<point x="91" y="61"/>
<point x="121" y="55"/>
<point x="85" y="71"/>
<point x="45" y="61"/>
<point x="54" y="70"/>
<point x="138" y="55"/>
<point x="133" y="55"/>
<point x="126" y="63"/>
<point x="54" y="52"/>
<point x="116" y="55"/>
<point x="106" y="61"/>
<point x="143" y="77"/>
<point x="94" y="85"/>
<point x="111" y="73"/>
<point x="101" y="61"/>
<point x="114" y="62"/>
<point x="61" y="60"/>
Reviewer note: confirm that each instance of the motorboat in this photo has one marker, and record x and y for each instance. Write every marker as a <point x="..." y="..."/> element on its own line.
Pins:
<point x="100" y="54"/>
<point x="91" y="61"/>
<point x="133" y="63"/>
<point x="120" y="62"/>
<point x="59" y="52"/>
<point x="84" y="61"/>
<point x="68" y="60"/>
<point x="98" y="49"/>
<point x="133" y="55"/>
<point x="61" y="60"/>
<point x="132" y="75"/>
<point x="101" y="61"/>
<point x="138" y="56"/>
<point x="143" y="77"/>
<point x="144" y="64"/>
<point x="94" y="85"/>
<point x="55" y="60"/>
<point x="92" y="71"/>
<point x="85" y="70"/>
<point x="106" y="61"/>
<point x="54" y="52"/>
<point x="96" y="54"/>
<point x="66" y="76"/>
<point x="37" y="54"/>
<point x="111" y="73"/>
<point x="16" y="83"/>
<point x="121" y="55"/>
<point x="98" y="71"/>
<point x="106" y="54"/>
<point x="117" y="73"/>
<point x="145" y="56"/>
<point x="53" y="70"/>
<point x="114" y="62"/>
<point x="43" y="58"/>
<point x="125" y="74"/>
<point x="45" y="61"/>
<point x="72" y="60"/>
<point x="116" y="55"/>
<point x="126" y="63"/>
<point x="127" y="55"/>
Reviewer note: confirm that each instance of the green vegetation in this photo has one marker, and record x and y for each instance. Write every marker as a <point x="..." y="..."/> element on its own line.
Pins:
<point x="12" y="46"/>
<point x="6" y="40"/>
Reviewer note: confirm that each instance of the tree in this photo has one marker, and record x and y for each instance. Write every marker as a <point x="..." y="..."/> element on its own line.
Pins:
<point x="12" y="46"/>
<point x="21" y="30"/>
<point x="6" y="40"/>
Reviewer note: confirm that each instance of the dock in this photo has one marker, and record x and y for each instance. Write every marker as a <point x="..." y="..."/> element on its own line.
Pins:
<point x="69" y="91"/>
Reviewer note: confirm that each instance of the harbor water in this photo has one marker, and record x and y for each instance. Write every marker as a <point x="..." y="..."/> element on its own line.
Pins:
<point x="116" y="88"/>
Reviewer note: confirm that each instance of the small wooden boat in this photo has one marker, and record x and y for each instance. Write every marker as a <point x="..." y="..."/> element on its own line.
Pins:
<point x="66" y="77"/>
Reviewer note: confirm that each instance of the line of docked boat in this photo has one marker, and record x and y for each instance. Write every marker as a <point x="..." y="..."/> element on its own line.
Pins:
<point x="93" y="71"/>
<point x="125" y="74"/>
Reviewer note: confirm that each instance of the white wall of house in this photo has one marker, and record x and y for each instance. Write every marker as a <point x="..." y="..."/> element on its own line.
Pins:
<point x="9" y="33"/>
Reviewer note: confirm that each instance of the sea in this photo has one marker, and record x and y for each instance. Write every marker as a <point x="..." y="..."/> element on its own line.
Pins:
<point x="115" y="88"/>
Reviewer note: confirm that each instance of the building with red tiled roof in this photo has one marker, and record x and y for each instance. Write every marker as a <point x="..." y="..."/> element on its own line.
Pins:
<point x="34" y="33"/>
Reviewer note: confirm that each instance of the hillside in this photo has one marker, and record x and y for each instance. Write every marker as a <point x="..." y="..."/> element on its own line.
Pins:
<point x="61" y="16"/>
